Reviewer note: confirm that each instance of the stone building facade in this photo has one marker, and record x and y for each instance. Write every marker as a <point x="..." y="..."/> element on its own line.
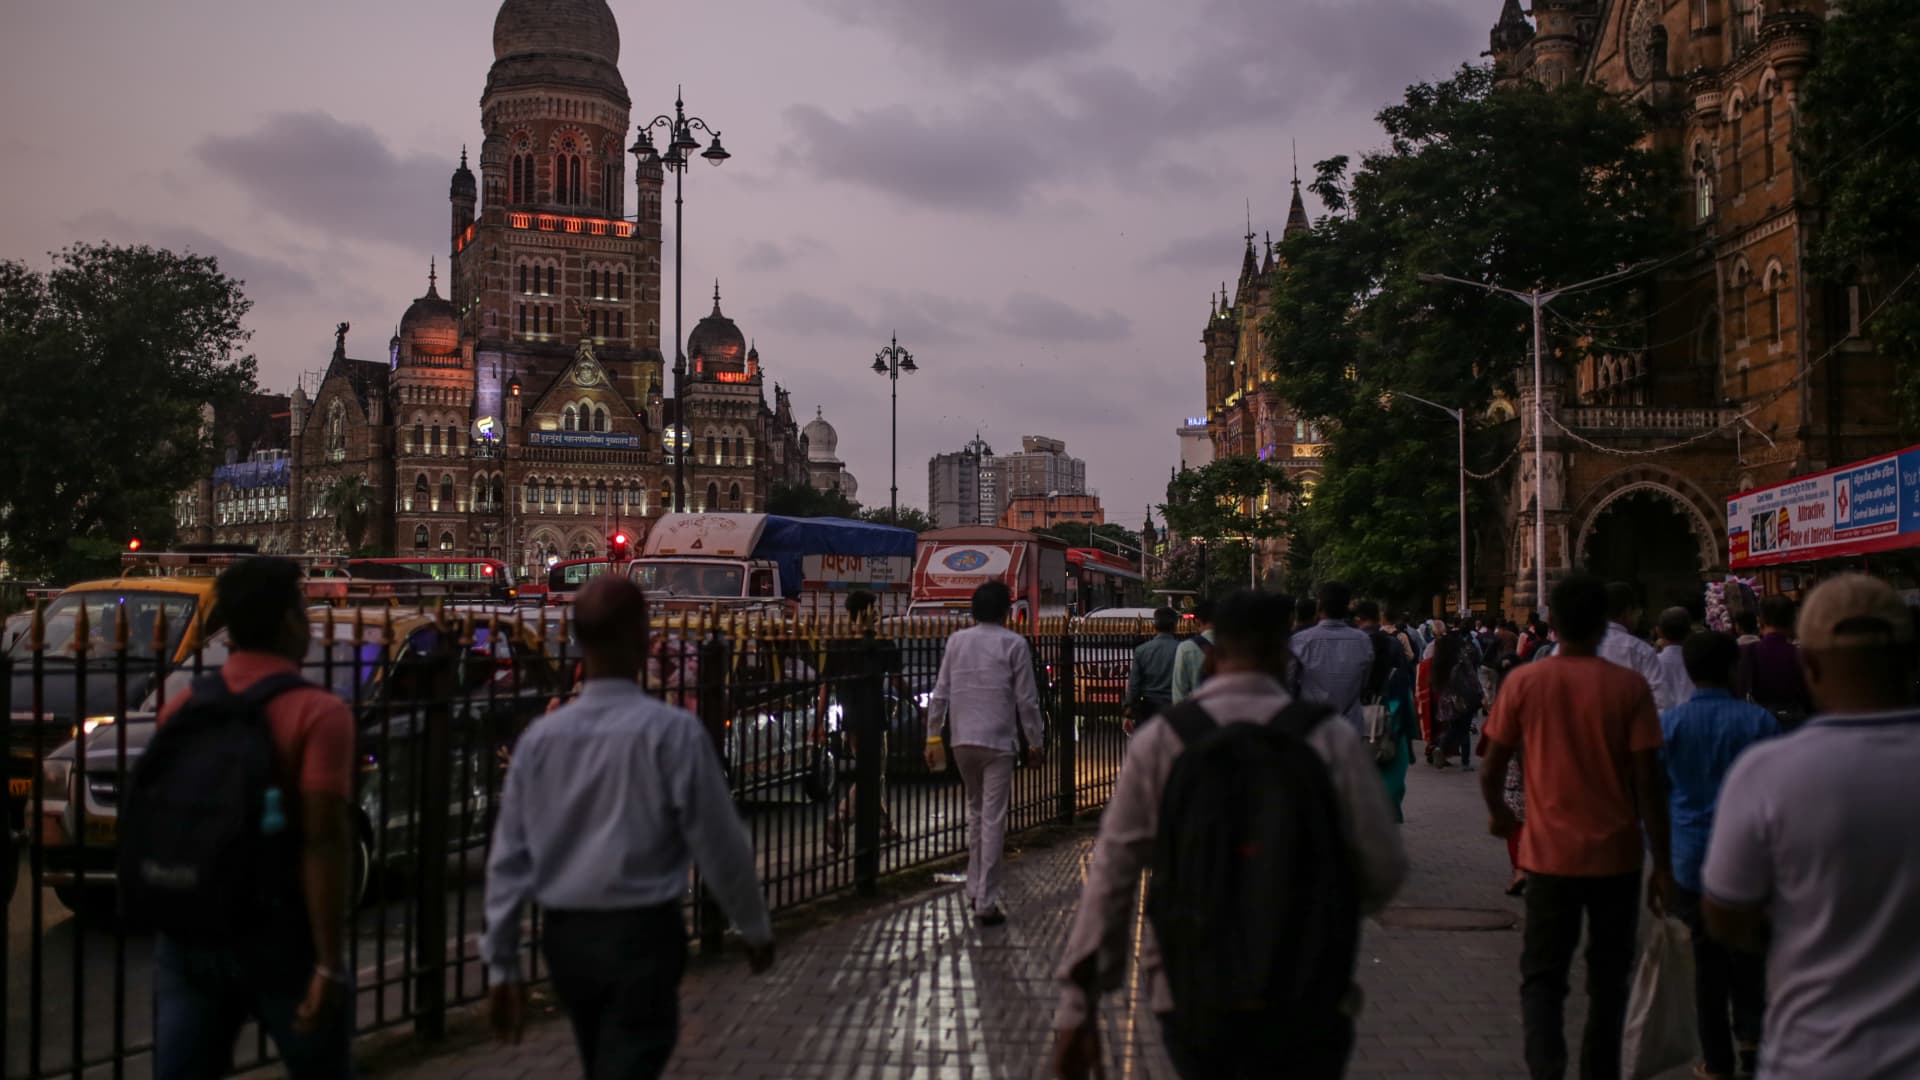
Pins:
<point x="521" y="415"/>
<point x="1748" y="371"/>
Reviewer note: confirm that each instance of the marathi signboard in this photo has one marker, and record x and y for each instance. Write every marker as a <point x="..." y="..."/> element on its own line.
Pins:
<point x="585" y="440"/>
<point x="1871" y="505"/>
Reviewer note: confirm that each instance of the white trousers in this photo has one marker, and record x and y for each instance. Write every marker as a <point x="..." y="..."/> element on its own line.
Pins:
<point x="988" y="777"/>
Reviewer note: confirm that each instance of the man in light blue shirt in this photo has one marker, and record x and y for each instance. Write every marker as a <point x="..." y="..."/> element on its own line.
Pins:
<point x="607" y="802"/>
<point x="1190" y="660"/>
<point x="1703" y="737"/>
<point x="1335" y="657"/>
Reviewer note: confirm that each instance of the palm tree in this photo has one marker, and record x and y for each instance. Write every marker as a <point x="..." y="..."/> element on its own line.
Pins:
<point x="346" y="500"/>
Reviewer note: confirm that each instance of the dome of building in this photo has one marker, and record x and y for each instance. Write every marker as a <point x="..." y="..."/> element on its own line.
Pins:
<point x="717" y="341"/>
<point x="822" y="440"/>
<point x="431" y="325"/>
<point x="849" y="486"/>
<point x="565" y="42"/>
<point x="463" y="185"/>
<point x="580" y="27"/>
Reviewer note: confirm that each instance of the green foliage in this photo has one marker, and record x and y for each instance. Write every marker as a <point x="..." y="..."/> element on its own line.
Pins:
<point x="1521" y="187"/>
<point x="1861" y="153"/>
<point x="1210" y="569"/>
<point x="346" y="501"/>
<point x="801" y="500"/>
<point x="1227" y="498"/>
<point x="907" y="518"/>
<point x="106" y="361"/>
<point x="1117" y="539"/>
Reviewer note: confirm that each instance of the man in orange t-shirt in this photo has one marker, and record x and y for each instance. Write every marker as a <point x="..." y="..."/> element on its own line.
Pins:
<point x="1588" y="737"/>
<point x="290" y="978"/>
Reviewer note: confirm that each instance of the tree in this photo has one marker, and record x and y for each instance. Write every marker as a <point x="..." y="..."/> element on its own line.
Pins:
<point x="346" y="501"/>
<point x="1108" y="537"/>
<point x="1463" y="189"/>
<point x="107" y="362"/>
<point x="1862" y="151"/>
<point x="907" y="518"/>
<point x="801" y="500"/>
<point x="1221" y="512"/>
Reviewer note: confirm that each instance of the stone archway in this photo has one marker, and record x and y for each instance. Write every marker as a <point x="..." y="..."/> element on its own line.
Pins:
<point x="1653" y="529"/>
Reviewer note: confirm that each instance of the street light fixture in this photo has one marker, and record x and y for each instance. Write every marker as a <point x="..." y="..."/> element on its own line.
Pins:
<point x="891" y="361"/>
<point x="1460" y="418"/>
<point x="681" y="143"/>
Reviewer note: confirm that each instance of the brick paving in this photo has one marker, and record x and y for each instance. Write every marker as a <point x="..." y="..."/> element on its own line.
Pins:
<point x="914" y="989"/>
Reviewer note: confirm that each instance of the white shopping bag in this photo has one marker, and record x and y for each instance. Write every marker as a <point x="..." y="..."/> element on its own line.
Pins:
<point x="1661" y="1030"/>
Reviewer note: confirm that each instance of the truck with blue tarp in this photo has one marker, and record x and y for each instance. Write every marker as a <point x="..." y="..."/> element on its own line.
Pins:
<point x="799" y="566"/>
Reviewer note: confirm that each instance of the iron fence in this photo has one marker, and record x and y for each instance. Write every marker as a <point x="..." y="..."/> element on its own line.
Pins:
<point x="820" y="729"/>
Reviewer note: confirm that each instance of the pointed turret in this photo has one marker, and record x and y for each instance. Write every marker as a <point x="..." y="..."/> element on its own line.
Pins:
<point x="1296" y="212"/>
<point x="1266" y="266"/>
<point x="1510" y="34"/>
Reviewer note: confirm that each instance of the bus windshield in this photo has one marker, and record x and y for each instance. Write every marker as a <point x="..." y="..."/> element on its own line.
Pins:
<point x="569" y="576"/>
<point x="679" y="577"/>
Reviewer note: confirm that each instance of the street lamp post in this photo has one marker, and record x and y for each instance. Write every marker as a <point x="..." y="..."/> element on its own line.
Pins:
<point x="891" y="361"/>
<point x="681" y="144"/>
<point x="1459" y="418"/>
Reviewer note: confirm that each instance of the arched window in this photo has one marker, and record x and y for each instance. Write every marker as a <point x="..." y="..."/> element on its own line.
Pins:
<point x="1737" y="302"/>
<point x="550" y="491"/>
<point x="593" y="322"/>
<point x="712" y="454"/>
<point x="600" y="493"/>
<point x="419" y="445"/>
<point x="584" y="495"/>
<point x="1766" y="127"/>
<point x="713" y="496"/>
<point x="666" y="494"/>
<point x="521" y="309"/>
<point x="446" y="541"/>
<point x="420" y="537"/>
<point x="620" y="324"/>
<point x="733" y="497"/>
<point x="567" y="419"/>
<point x="619" y="284"/>
<point x="523" y="277"/>
<point x="337" y="428"/>
<point x="479" y="492"/>
<point x="740" y="450"/>
<point x="1776" y="278"/>
<point x="420" y="492"/>
<point x="1735" y="179"/>
<point x="522" y="178"/>
<point x="566" y="494"/>
<point x="599" y="419"/>
<point x="446" y="493"/>
<point x="550" y="271"/>
<point x="498" y="489"/>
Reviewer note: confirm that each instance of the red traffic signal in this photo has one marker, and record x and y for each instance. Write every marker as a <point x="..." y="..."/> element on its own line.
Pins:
<point x="620" y="539"/>
<point x="617" y="547"/>
<point x="133" y="544"/>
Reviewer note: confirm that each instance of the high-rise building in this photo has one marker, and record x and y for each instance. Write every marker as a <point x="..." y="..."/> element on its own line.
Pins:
<point x="1042" y="467"/>
<point x="1196" y="443"/>
<point x="961" y="487"/>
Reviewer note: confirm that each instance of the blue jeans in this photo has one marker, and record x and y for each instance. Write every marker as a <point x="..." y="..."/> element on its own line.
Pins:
<point x="204" y="992"/>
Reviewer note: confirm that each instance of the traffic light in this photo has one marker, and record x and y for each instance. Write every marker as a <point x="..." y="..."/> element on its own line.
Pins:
<point x="133" y="544"/>
<point x="617" y="546"/>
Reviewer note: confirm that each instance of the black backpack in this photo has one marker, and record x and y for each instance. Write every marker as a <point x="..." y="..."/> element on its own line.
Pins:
<point x="209" y="830"/>
<point x="1253" y="898"/>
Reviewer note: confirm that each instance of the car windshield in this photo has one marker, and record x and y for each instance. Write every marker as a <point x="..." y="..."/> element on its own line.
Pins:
<point x="690" y="579"/>
<point x="340" y="665"/>
<point x="103" y="609"/>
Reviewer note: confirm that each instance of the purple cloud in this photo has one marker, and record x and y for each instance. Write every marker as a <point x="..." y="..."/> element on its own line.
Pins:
<point x="969" y="34"/>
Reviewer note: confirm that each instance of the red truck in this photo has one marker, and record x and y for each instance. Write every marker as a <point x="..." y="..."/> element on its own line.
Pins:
<point x="951" y="563"/>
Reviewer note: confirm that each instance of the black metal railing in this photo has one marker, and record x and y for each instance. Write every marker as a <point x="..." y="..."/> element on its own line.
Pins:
<point x="820" y="729"/>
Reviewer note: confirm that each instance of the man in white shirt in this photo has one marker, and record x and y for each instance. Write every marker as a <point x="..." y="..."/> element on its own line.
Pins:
<point x="986" y="693"/>
<point x="1814" y="856"/>
<point x="1676" y="625"/>
<point x="1622" y="646"/>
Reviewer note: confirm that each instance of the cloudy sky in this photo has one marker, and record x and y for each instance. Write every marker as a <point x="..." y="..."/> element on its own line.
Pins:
<point x="1038" y="195"/>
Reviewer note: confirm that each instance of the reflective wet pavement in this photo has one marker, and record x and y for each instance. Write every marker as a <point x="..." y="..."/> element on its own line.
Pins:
<point x="914" y="989"/>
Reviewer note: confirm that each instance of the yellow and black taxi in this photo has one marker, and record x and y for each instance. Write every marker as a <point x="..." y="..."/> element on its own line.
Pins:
<point x="469" y="680"/>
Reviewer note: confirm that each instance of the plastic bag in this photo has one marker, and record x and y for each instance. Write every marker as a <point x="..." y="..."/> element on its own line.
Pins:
<point x="1661" y="1031"/>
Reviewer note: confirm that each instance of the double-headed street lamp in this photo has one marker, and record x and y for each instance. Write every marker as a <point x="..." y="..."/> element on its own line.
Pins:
<point x="681" y="145"/>
<point x="891" y="361"/>
<point x="1460" y="418"/>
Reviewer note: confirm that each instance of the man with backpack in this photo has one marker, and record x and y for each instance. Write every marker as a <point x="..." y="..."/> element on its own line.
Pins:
<point x="1284" y="840"/>
<point x="1190" y="661"/>
<point x="237" y="844"/>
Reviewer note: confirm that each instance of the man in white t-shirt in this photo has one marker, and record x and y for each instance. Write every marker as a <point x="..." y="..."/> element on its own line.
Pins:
<point x="1815" y="857"/>
<point x="1626" y="648"/>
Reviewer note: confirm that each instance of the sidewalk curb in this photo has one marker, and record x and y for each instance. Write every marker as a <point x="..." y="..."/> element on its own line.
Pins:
<point x="467" y="1025"/>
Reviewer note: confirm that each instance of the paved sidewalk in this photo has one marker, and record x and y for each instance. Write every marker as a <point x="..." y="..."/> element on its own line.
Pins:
<point x="914" y="989"/>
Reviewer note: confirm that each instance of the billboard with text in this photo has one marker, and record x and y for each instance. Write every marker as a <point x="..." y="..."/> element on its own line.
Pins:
<point x="1868" y="506"/>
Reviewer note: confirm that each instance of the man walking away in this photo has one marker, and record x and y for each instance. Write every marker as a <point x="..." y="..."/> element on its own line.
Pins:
<point x="607" y="801"/>
<point x="841" y="679"/>
<point x="1336" y="659"/>
<point x="1624" y="646"/>
<point x="1275" y="939"/>
<point x="1770" y="674"/>
<point x="283" y="967"/>
<point x="1190" y="662"/>
<point x="986" y="691"/>
<point x="1589" y="738"/>
<point x="1815" y="857"/>
<point x="1150" y="681"/>
<point x="1676" y="625"/>
<point x="1703" y="738"/>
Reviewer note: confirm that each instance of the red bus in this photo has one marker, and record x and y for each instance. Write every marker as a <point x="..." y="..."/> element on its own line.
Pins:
<point x="492" y="572"/>
<point x="566" y="577"/>
<point x="1100" y="579"/>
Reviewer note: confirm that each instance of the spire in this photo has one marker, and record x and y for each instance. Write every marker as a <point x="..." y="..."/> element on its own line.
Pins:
<point x="716" y="296"/>
<point x="1296" y="214"/>
<point x="433" y="278"/>
<point x="463" y="155"/>
<point x="1512" y="32"/>
<point x="1267" y="266"/>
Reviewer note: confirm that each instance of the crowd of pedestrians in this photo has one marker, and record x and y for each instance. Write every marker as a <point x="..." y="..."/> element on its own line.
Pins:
<point x="1756" y="788"/>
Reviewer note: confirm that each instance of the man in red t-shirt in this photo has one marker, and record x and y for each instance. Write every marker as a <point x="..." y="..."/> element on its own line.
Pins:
<point x="290" y="979"/>
<point x="1588" y="737"/>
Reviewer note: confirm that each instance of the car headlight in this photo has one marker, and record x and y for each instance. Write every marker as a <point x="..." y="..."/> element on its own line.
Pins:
<point x="54" y="773"/>
<point x="92" y="724"/>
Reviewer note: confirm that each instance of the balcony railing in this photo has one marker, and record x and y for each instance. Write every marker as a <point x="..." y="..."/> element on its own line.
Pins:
<point x="1649" y="420"/>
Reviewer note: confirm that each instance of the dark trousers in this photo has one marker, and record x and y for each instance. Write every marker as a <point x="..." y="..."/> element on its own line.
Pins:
<point x="1556" y="907"/>
<point x="618" y="975"/>
<point x="1729" y="990"/>
<point x="204" y="992"/>
<point x="1262" y="1046"/>
<point x="1458" y="739"/>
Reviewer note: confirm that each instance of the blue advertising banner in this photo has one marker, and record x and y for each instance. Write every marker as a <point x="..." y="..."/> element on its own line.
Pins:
<point x="1872" y="505"/>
